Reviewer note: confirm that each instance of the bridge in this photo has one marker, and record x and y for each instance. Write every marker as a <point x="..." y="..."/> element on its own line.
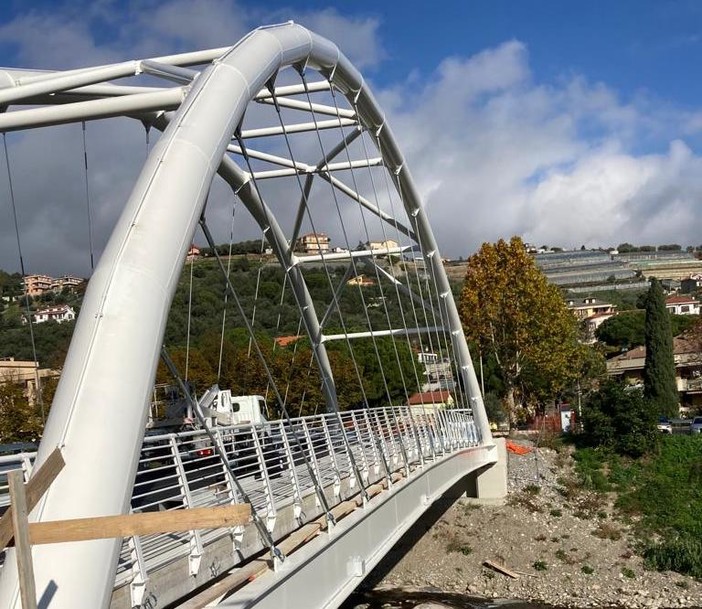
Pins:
<point x="330" y="492"/>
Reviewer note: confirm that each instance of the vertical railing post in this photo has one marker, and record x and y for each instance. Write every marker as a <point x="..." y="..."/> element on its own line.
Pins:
<point x="270" y="500"/>
<point x="195" y="540"/>
<point x="373" y="446"/>
<point x="332" y="457"/>
<point x="383" y="448"/>
<point x="313" y="460"/>
<point x="294" y="481"/>
<point x="365" y="472"/>
<point x="137" y="587"/>
<point x="237" y="532"/>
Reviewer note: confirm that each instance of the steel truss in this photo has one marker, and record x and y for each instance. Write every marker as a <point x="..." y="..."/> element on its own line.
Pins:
<point x="102" y="399"/>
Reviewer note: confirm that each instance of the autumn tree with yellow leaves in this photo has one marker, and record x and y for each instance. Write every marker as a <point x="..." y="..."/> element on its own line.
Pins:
<point x="511" y="312"/>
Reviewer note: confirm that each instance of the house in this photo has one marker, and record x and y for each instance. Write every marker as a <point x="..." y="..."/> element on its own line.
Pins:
<point x="592" y="313"/>
<point x="193" y="252"/>
<point x="66" y="281"/>
<point x="25" y="373"/>
<point x="361" y="280"/>
<point x="427" y="401"/>
<point x="682" y="305"/>
<point x="36" y="285"/>
<point x="691" y="284"/>
<point x="313" y="243"/>
<point x="587" y="307"/>
<point x="58" y="314"/>
<point x="380" y="246"/>
<point x="687" y="354"/>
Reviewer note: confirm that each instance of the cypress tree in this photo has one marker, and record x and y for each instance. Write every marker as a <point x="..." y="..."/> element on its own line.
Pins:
<point x="659" y="369"/>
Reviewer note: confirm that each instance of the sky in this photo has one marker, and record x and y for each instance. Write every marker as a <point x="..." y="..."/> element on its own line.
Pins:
<point x="567" y="123"/>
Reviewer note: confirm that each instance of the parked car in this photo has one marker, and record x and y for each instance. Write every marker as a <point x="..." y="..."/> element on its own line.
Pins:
<point x="696" y="425"/>
<point x="664" y="425"/>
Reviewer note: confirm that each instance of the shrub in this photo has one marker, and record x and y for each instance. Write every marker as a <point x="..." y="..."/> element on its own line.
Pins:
<point x="587" y="569"/>
<point x="556" y="513"/>
<point x="539" y="565"/>
<point x="620" y="418"/>
<point x="681" y="555"/>
<point x="628" y="573"/>
<point x="605" y="530"/>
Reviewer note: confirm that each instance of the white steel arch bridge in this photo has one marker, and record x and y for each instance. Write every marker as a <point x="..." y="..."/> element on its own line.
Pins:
<point x="292" y="128"/>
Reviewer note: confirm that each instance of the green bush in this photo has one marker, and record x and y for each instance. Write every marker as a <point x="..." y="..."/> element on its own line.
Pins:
<point x="619" y="418"/>
<point x="681" y="555"/>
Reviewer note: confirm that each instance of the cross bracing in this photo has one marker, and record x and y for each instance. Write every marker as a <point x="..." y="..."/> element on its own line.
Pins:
<point x="291" y="128"/>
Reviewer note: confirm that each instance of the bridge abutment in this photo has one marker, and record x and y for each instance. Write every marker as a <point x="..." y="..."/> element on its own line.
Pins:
<point x="488" y="485"/>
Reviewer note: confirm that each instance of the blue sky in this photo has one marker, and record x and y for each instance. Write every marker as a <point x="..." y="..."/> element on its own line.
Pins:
<point x="566" y="122"/>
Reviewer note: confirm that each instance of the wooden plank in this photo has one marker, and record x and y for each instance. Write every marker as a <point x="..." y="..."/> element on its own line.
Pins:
<point x="23" y="551"/>
<point x="38" y="484"/>
<point x="148" y="523"/>
<point x="500" y="569"/>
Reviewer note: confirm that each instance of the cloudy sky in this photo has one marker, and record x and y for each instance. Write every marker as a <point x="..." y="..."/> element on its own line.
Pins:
<point x="567" y="123"/>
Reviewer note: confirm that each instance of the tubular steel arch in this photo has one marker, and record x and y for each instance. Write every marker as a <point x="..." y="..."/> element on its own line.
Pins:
<point x="101" y="405"/>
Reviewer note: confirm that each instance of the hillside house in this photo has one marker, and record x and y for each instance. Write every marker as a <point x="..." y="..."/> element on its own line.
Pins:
<point x="687" y="353"/>
<point x="682" y="305"/>
<point x="361" y="280"/>
<point x="592" y="313"/>
<point x="314" y="243"/>
<point x="380" y="246"/>
<point x="25" y="373"/>
<point x="428" y="401"/>
<point x="691" y="284"/>
<point x="58" y="314"/>
<point x="36" y="285"/>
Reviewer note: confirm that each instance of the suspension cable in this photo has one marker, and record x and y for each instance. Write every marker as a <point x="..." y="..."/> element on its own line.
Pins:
<point x="87" y="199"/>
<point x="373" y="341"/>
<point x="335" y="407"/>
<point x="226" y="293"/>
<point x="258" y="522"/>
<point x="281" y="407"/>
<point x="190" y="310"/>
<point x="30" y="323"/>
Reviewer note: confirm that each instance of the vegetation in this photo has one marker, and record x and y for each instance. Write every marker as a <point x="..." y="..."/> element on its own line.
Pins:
<point x="628" y="329"/>
<point x="662" y="494"/>
<point x="519" y="320"/>
<point x="621" y="419"/>
<point x="659" y="368"/>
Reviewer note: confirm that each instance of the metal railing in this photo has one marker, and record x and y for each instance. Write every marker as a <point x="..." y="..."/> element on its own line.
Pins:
<point x="277" y="465"/>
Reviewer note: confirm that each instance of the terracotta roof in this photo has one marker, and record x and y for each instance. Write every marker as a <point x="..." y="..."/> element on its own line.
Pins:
<point x="680" y="300"/>
<point x="430" y="397"/>
<point x="681" y="345"/>
<point x="284" y="341"/>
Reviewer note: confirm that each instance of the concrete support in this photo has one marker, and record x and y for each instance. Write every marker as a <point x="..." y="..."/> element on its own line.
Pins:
<point x="488" y="485"/>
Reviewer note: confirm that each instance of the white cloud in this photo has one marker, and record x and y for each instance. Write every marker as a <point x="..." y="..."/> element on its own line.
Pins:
<point x="488" y="142"/>
<point x="558" y="163"/>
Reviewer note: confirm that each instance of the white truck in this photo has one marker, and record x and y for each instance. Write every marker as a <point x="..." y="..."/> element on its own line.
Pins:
<point x="171" y="412"/>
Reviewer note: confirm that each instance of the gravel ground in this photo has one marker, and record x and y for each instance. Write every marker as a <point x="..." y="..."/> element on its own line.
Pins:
<point x="562" y="542"/>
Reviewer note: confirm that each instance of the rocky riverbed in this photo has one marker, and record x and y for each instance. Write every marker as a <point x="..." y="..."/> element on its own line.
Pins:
<point x="565" y="546"/>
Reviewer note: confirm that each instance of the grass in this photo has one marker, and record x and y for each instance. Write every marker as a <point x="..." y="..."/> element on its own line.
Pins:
<point x="659" y="495"/>
<point x="606" y="530"/>
<point x="628" y="573"/>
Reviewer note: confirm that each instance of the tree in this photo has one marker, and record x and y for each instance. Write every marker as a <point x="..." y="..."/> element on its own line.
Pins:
<point x="510" y="311"/>
<point x="620" y="418"/>
<point x="19" y="422"/>
<point x="659" y="368"/>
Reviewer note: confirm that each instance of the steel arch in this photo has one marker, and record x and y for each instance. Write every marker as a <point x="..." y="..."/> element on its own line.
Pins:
<point x="102" y="399"/>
